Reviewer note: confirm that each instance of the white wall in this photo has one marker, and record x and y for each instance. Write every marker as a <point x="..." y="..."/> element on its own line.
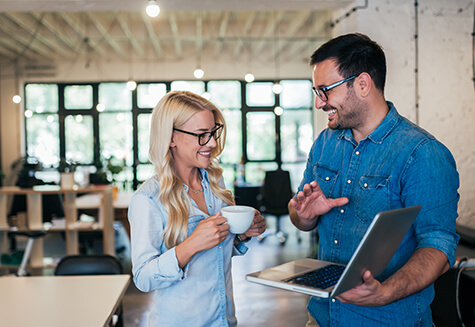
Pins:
<point x="446" y="91"/>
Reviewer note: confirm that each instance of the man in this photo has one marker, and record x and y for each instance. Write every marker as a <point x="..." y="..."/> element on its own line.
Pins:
<point x="371" y="159"/>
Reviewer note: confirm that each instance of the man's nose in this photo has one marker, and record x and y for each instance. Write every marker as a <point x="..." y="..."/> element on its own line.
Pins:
<point x="319" y="103"/>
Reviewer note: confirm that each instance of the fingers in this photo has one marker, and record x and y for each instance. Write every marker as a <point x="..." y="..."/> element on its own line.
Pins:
<point x="338" y="202"/>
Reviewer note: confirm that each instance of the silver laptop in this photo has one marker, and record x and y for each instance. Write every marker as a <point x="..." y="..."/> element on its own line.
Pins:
<point x="374" y="252"/>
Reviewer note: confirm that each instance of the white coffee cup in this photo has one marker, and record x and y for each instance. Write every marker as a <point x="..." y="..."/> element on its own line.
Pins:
<point x="239" y="218"/>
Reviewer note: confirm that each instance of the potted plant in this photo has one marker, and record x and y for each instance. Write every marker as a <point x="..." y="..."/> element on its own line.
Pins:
<point x="66" y="169"/>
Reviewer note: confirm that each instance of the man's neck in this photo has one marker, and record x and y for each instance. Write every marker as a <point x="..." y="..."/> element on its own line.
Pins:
<point x="379" y="111"/>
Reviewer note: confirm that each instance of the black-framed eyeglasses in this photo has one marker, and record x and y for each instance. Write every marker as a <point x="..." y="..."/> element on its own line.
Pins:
<point x="321" y="92"/>
<point x="204" y="138"/>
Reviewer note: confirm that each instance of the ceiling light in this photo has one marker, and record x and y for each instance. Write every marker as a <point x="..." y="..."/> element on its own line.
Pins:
<point x="198" y="73"/>
<point x="152" y="8"/>
<point x="206" y="95"/>
<point x="277" y="88"/>
<point x="16" y="98"/>
<point x="249" y="77"/>
<point x="278" y="111"/>
<point x="131" y="85"/>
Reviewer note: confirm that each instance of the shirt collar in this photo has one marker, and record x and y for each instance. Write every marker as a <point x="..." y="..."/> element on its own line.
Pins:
<point x="387" y="125"/>
<point x="204" y="177"/>
<point x="382" y="131"/>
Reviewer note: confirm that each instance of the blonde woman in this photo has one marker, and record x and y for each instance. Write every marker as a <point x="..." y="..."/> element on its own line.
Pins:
<point x="181" y="246"/>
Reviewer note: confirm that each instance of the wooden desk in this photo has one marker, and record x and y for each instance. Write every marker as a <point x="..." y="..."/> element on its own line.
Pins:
<point x="50" y="301"/>
<point x="72" y="227"/>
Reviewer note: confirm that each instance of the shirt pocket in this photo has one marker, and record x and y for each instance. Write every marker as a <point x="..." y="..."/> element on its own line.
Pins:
<point x="193" y="221"/>
<point x="372" y="197"/>
<point x="326" y="179"/>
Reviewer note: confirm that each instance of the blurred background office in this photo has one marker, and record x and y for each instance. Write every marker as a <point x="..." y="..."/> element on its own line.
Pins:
<point x="87" y="75"/>
<point x="70" y="63"/>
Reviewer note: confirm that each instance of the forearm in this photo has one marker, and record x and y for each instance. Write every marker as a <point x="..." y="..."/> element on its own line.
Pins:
<point x="422" y="270"/>
<point x="185" y="251"/>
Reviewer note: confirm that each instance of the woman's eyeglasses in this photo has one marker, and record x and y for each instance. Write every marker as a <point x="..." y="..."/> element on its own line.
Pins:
<point x="204" y="138"/>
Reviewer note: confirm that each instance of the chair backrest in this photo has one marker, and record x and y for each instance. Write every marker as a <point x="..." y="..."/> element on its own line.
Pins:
<point x="98" y="264"/>
<point x="276" y="192"/>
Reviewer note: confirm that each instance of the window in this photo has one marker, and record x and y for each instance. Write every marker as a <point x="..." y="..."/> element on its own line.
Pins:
<point x="94" y="122"/>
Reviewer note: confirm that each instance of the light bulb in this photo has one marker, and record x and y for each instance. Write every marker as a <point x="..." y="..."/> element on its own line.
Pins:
<point x="249" y="78"/>
<point x="100" y="107"/>
<point x="152" y="8"/>
<point x="278" y="111"/>
<point x="277" y="88"/>
<point x="131" y="85"/>
<point x="206" y="95"/>
<point x="16" y="98"/>
<point x="198" y="73"/>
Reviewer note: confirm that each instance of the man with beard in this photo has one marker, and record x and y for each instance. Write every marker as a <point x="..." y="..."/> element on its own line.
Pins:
<point x="369" y="160"/>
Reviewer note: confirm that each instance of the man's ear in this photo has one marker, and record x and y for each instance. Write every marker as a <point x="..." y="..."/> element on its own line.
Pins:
<point x="363" y="84"/>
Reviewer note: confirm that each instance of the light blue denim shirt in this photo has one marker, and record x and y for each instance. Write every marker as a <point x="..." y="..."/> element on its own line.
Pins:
<point x="200" y="294"/>
<point x="398" y="165"/>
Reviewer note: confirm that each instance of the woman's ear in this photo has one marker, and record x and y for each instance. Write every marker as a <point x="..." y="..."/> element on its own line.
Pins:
<point x="363" y="84"/>
<point x="172" y="142"/>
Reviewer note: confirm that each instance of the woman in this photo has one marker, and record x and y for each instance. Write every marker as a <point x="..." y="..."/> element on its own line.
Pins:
<point x="181" y="245"/>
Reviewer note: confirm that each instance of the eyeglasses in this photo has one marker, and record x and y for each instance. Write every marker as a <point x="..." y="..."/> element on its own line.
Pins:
<point x="322" y="92"/>
<point x="204" y="138"/>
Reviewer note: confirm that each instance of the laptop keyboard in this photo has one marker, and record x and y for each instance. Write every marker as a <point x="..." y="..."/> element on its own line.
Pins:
<point x="320" y="278"/>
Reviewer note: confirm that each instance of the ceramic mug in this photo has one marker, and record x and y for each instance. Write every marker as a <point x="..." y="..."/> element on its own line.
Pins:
<point x="239" y="218"/>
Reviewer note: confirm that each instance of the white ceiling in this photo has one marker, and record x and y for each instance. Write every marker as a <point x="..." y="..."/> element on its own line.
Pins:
<point x="119" y="30"/>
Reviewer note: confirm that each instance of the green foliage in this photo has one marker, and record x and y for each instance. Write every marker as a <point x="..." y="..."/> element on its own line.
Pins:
<point x="66" y="166"/>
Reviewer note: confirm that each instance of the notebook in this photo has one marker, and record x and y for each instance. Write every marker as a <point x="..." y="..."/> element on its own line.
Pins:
<point x="380" y="242"/>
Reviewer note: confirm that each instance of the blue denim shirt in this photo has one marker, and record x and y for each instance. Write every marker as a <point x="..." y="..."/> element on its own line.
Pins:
<point x="398" y="165"/>
<point x="201" y="293"/>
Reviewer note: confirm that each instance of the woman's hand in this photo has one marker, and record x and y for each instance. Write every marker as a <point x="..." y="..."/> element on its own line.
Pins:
<point x="207" y="234"/>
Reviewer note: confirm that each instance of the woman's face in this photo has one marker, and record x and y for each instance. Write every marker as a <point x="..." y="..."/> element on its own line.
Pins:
<point x="187" y="152"/>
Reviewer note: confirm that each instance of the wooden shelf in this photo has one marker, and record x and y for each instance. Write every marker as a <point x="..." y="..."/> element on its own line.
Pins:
<point x="34" y="219"/>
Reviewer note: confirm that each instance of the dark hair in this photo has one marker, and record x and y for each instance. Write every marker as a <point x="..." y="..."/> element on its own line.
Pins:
<point x="354" y="54"/>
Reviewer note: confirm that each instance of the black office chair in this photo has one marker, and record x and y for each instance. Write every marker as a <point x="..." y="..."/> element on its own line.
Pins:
<point x="98" y="264"/>
<point x="275" y="196"/>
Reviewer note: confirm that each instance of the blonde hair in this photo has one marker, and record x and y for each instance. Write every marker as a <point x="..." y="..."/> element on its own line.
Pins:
<point x="173" y="110"/>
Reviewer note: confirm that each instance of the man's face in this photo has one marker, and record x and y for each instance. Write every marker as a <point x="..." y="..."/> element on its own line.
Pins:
<point x="342" y="106"/>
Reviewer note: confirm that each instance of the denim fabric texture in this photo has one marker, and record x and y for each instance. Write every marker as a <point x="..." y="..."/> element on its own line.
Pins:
<point x="398" y="165"/>
<point x="201" y="294"/>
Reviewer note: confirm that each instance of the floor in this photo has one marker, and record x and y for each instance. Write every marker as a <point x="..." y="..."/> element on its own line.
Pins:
<point x="256" y="305"/>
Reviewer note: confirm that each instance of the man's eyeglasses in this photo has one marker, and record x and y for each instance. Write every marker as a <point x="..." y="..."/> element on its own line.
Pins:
<point x="204" y="138"/>
<point x="321" y="92"/>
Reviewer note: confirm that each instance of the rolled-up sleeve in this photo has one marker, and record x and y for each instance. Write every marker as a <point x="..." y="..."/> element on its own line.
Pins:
<point x="433" y="181"/>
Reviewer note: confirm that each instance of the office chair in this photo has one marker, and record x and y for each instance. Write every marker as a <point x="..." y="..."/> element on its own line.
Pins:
<point x="275" y="196"/>
<point x="98" y="264"/>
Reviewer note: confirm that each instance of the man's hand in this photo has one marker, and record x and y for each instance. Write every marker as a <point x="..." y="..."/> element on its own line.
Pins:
<point x="257" y="227"/>
<point x="370" y="293"/>
<point x="422" y="269"/>
<point x="309" y="204"/>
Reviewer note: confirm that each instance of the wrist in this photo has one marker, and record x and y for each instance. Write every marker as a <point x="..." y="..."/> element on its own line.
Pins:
<point x="241" y="238"/>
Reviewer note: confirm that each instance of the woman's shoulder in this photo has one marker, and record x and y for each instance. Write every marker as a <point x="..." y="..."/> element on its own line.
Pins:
<point x="149" y="188"/>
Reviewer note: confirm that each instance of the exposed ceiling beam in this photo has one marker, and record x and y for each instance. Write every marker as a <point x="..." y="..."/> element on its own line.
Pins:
<point x="222" y="33"/>
<point x="176" y="36"/>
<point x="151" y="33"/>
<point x="175" y="5"/>
<point x="32" y="26"/>
<point x="96" y="21"/>
<point x="247" y="27"/>
<point x="125" y="22"/>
